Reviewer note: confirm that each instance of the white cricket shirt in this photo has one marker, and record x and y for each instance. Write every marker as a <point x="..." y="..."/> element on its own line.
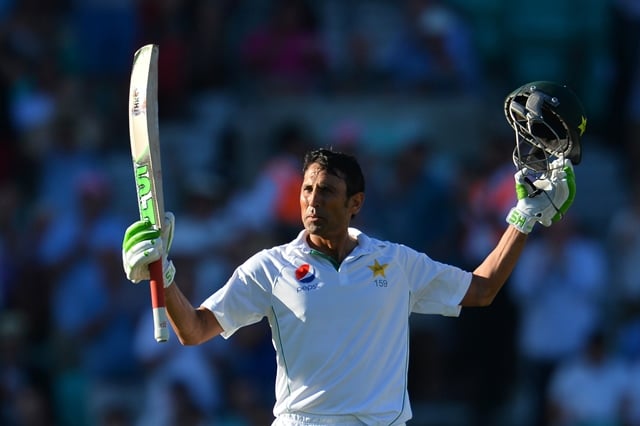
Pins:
<point x="341" y="334"/>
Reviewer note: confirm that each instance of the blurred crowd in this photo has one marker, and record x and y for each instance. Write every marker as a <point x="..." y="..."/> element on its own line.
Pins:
<point x="245" y="88"/>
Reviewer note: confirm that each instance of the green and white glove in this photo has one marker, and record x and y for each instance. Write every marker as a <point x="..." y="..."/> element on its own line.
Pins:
<point x="142" y="245"/>
<point x="548" y="201"/>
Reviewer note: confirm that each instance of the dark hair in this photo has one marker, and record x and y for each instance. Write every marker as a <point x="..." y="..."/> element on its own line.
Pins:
<point x="340" y="164"/>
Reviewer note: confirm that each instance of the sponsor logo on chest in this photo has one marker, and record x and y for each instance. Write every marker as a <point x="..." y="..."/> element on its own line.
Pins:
<point x="306" y="278"/>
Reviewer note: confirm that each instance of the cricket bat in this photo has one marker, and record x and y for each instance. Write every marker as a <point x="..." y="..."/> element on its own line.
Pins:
<point x="145" y="152"/>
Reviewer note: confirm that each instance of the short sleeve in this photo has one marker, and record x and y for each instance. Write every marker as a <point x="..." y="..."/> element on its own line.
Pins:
<point x="245" y="298"/>
<point x="436" y="288"/>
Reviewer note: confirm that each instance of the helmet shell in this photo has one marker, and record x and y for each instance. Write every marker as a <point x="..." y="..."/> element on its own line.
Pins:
<point x="559" y="104"/>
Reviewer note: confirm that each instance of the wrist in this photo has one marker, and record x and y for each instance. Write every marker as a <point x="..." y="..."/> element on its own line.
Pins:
<point x="520" y="220"/>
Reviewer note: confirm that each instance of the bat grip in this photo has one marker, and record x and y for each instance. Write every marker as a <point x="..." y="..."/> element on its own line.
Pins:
<point x="156" y="284"/>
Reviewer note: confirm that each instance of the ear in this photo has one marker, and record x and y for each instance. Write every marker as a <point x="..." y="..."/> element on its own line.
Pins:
<point x="355" y="203"/>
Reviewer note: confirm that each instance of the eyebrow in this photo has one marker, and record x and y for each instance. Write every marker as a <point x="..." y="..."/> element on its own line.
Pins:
<point x="320" y="185"/>
<point x="330" y="183"/>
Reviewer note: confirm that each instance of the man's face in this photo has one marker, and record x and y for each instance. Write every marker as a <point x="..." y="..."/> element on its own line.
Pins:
<point x="326" y="210"/>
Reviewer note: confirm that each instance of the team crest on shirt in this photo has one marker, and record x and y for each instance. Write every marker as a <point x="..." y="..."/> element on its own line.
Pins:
<point x="378" y="269"/>
<point x="305" y="273"/>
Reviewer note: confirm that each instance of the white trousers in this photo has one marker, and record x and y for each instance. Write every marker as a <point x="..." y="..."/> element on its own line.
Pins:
<point x="290" y="419"/>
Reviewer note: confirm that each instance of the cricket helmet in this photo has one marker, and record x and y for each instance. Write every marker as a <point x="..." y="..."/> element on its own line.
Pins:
<point x="549" y="121"/>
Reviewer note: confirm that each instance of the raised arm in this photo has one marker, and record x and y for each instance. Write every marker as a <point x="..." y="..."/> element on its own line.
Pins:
<point x="489" y="277"/>
<point x="142" y="245"/>
<point x="545" y="200"/>
<point x="192" y="325"/>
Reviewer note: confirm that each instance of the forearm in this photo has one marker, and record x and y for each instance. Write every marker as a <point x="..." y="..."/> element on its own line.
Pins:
<point x="493" y="272"/>
<point x="192" y="326"/>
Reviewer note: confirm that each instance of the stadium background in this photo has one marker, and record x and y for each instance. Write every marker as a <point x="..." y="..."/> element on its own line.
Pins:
<point x="414" y="87"/>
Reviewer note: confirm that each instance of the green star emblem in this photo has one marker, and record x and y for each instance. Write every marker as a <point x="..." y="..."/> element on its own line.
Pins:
<point x="583" y="125"/>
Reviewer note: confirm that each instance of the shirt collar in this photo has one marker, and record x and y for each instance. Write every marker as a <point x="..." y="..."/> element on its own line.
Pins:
<point x="365" y="244"/>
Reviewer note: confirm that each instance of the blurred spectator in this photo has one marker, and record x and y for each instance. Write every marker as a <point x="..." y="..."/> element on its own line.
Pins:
<point x="65" y="161"/>
<point x="589" y="388"/>
<point x="355" y="33"/>
<point x="115" y="415"/>
<point x="202" y="244"/>
<point x="359" y="74"/>
<point x="347" y="135"/>
<point x="94" y="48"/>
<point x="558" y="287"/>
<point x="24" y="385"/>
<point x="628" y="336"/>
<point x="286" y="55"/>
<point x="242" y="380"/>
<point x="29" y="79"/>
<point x="12" y="240"/>
<point x="250" y="376"/>
<point x="209" y="61"/>
<point x="32" y="407"/>
<point x="30" y="31"/>
<point x="434" y="52"/>
<point x="633" y="401"/>
<point x="166" y="24"/>
<point x="185" y="384"/>
<point x="487" y="188"/>
<point x="623" y="243"/>
<point x="411" y="199"/>
<point x="32" y="102"/>
<point x="91" y="309"/>
<point x="176" y="380"/>
<point x="276" y="188"/>
<point x="105" y="34"/>
<point x="624" y="120"/>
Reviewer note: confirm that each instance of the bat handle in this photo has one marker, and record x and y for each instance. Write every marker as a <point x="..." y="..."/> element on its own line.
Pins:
<point x="160" y="320"/>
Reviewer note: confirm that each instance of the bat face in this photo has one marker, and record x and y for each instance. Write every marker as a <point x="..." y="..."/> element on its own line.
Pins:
<point x="144" y="134"/>
<point x="138" y="112"/>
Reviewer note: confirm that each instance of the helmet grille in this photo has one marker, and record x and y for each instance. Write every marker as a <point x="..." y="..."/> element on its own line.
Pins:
<point x="541" y="134"/>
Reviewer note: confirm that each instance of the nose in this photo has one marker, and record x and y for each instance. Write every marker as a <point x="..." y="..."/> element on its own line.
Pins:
<point x="313" y="198"/>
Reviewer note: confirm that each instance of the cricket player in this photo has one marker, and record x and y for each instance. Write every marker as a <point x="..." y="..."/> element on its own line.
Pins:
<point x="338" y="302"/>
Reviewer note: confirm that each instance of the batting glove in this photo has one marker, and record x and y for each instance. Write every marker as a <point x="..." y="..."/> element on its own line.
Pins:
<point x="544" y="200"/>
<point x="143" y="244"/>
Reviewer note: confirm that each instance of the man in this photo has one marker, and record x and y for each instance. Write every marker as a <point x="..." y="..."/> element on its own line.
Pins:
<point x="338" y="302"/>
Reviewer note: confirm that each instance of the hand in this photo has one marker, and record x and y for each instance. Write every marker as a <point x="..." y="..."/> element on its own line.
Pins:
<point x="544" y="200"/>
<point x="142" y="245"/>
